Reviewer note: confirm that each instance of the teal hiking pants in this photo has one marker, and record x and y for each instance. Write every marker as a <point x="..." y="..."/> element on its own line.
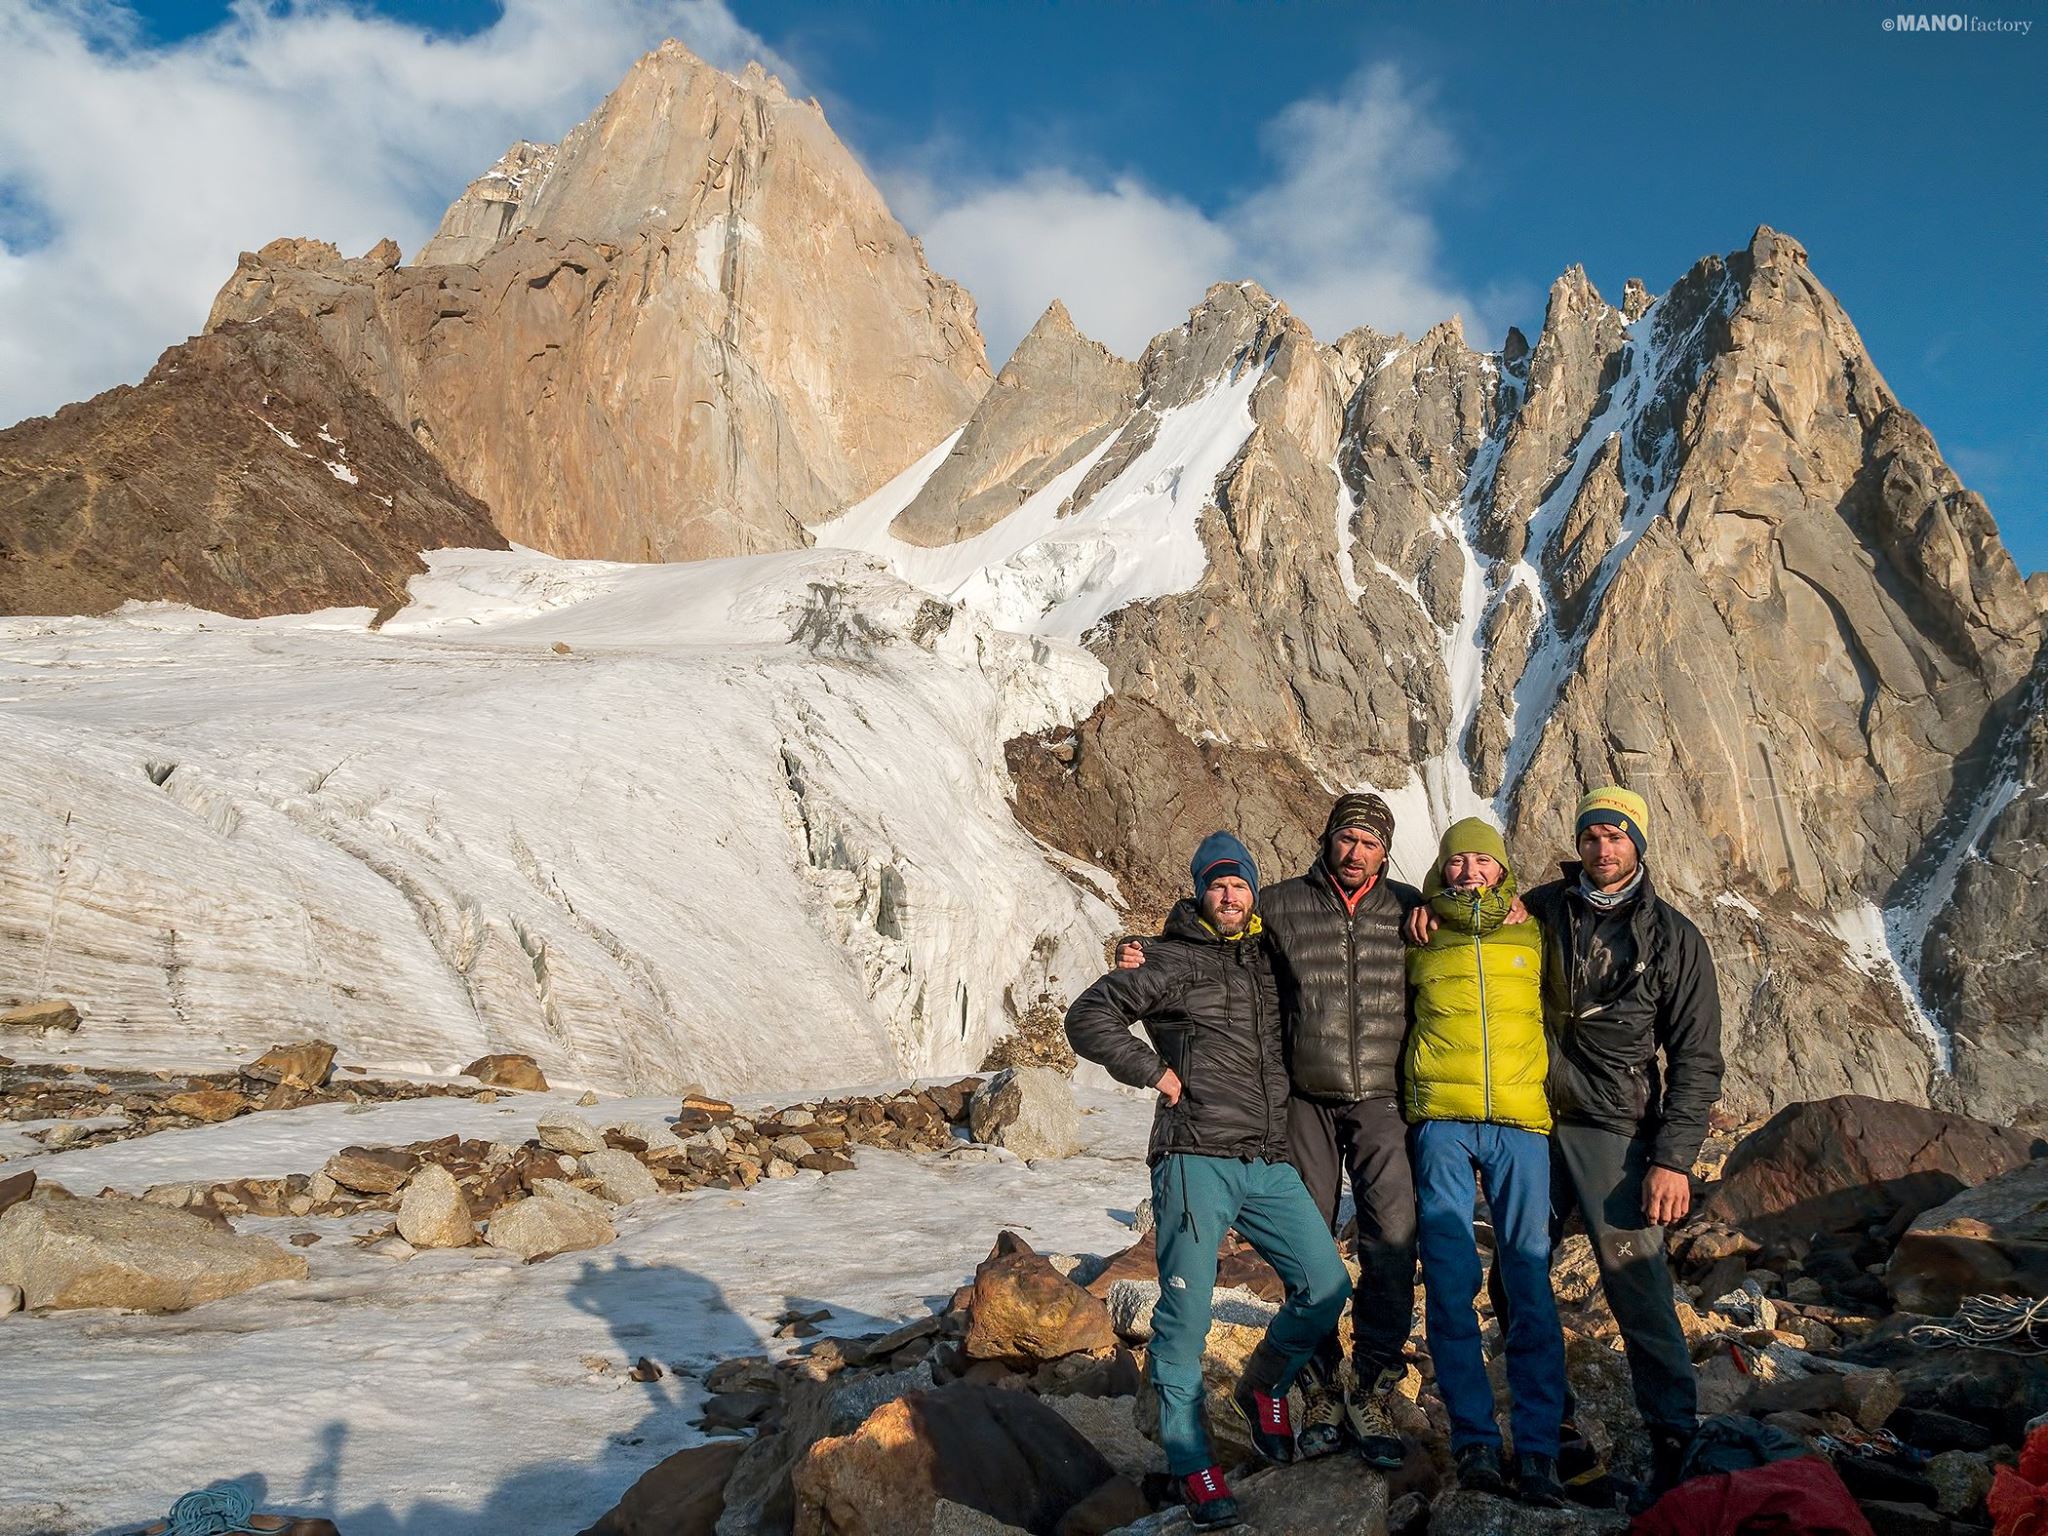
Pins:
<point x="1195" y="1201"/>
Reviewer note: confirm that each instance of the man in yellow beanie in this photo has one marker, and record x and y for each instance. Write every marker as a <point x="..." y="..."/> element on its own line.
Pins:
<point x="1472" y="1091"/>
<point x="1628" y="979"/>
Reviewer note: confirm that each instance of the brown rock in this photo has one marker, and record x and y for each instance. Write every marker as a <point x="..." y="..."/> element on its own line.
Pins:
<point x="209" y="483"/>
<point x="208" y="1105"/>
<point x="371" y="1170"/>
<point x="1991" y="1240"/>
<point x="681" y="1496"/>
<point x="508" y="1070"/>
<point x="56" y="1017"/>
<point x="16" y="1187"/>
<point x="115" y="1252"/>
<point x="1024" y="1309"/>
<point x="307" y="1064"/>
<point x="1000" y="1452"/>
<point x="1848" y="1163"/>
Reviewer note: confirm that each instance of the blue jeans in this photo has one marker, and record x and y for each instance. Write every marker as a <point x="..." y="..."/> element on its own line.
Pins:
<point x="1453" y="1158"/>
<point x="1195" y="1201"/>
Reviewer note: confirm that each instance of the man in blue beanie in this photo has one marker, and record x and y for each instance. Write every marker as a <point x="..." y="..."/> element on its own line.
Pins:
<point x="1210" y="1007"/>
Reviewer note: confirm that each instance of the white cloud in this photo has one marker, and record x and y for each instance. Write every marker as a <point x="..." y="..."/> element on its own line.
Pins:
<point x="1339" y="230"/>
<point x="142" y="171"/>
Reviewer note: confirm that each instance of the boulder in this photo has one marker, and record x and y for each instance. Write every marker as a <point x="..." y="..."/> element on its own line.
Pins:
<point x="1961" y="1479"/>
<point x="621" y="1177"/>
<point x="681" y="1496"/>
<point x="1002" y="1453"/>
<point x="207" y="1105"/>
<point x="1850" y="1163"/>
<point x="371" y="1170"/>
<point x="117" y="1252"/>
<point x="759" y="1500"/>
<point x="1459" y="1513"/>
<point x="308" y="1064"/>
<point x="508" y="1070"/>
<point x="11" y="1300"/>
<point x="1029" y="1111"/>
<point x="1987" y="1241"/>
<point x="55" y="1017"/>
<point x="1024" y="1309"/>
<point x="544" y="1225"/>
<point x="1110" y="1424"/>
<point x="433" y="1212"/>
<point x="561" y="1131"/>
<point x="1332" y="1496"/>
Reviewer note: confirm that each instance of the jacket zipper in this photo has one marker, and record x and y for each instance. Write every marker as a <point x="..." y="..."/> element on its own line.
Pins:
<point x="1485" y="1037"/>
<point x="1351" y="993"/>
<point x="1259" y="1044"/>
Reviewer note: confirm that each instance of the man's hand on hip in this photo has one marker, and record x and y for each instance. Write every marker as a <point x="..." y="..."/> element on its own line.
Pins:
<point x="1169" y="1086"/>
<point x="1130" y="955"/>
<point x="1667" y="1196"/>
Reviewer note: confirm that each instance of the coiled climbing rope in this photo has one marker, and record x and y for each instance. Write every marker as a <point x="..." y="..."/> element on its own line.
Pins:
<point x="2013" y="1325"/>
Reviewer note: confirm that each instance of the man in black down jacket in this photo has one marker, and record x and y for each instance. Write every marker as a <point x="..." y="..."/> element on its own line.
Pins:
<point x="1625" y="978"/>
<point x="1210" y="1007"/>
<point x="1335" y="935"/>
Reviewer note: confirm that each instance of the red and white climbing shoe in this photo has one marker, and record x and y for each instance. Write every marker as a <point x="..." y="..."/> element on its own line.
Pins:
<point x="1266" y="1414"/>
<point x="1209" y="1502"/>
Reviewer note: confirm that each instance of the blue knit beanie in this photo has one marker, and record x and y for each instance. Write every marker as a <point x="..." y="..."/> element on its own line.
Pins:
<point x="1219" y="856"/>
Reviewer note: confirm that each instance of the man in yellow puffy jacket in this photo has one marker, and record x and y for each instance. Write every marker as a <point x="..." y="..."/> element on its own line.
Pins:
<point x="1472" y="1092"/>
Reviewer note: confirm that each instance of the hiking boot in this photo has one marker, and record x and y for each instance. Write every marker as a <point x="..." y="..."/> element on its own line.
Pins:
<point x="1370" y="1420"/>
<point x="1324" y="1405"/>
<point x="1668" y="1445"/>
<point x="1536" y="1480"/>
<point x="1208" y="1499"/>
<point x="1579" y="1467"/>
<point x="1262" y="1402"/>
<point x="1479" y="1469"/>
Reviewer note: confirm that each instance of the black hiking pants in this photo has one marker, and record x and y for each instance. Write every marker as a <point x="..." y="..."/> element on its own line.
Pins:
<point x="1599" y="1173"/>
<point x="1368" y="1140"/>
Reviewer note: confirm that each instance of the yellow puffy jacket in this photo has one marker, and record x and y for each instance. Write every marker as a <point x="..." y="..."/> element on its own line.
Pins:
<point x="1476" y="1049"/>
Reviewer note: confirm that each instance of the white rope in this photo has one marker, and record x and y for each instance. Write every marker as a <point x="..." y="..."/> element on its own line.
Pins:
<point x="2014" y="1325"/>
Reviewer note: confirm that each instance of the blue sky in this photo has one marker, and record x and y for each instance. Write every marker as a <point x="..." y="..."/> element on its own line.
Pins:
<point x="1513" y="139"/>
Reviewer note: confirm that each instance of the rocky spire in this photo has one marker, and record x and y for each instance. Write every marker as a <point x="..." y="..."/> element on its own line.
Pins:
<point x="686" y="331"/>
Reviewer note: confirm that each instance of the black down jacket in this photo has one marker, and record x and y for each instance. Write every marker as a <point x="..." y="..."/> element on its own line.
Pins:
<point x="1343" y="983"/>
<point x="1604" y="1041"/>
<point x="1210" y="1008"/>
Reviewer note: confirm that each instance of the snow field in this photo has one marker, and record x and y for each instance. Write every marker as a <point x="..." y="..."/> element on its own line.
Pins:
<point x="742" y="823"/>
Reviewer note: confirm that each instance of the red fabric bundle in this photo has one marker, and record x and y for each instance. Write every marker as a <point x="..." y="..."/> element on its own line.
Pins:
<point x="2019" y="1500"/>
<point x="1802" y="1494"/>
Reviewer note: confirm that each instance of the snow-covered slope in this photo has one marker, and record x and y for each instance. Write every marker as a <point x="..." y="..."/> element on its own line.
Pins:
<point x="1053" y="569"/>
<point x="742" y="822"/>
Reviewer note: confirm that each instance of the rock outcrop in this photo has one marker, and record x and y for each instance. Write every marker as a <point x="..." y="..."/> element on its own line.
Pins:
<point x="685" y="331"/>
<point x="248" y="474"/>
<point x="1693" y="544"/>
